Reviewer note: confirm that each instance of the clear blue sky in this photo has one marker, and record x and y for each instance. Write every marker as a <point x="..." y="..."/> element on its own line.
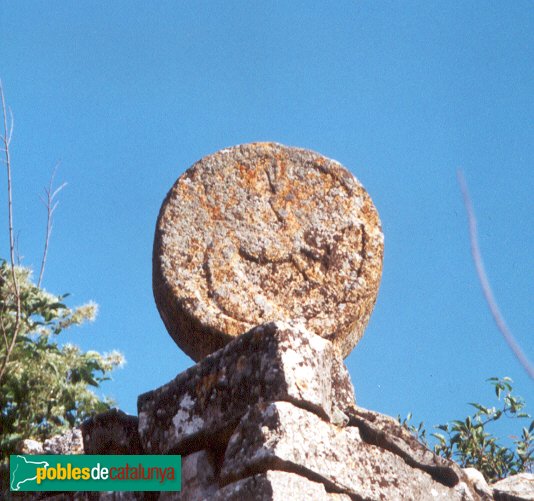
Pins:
<point x="128" y="94"/>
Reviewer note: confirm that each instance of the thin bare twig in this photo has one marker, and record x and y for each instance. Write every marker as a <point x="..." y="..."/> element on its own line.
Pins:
<point x="6" y="140"/>
<point x="17" y="248"/>
<point x="51" y="206"/>
<point x="4" y="330"/>
<point x="484" y="282"/>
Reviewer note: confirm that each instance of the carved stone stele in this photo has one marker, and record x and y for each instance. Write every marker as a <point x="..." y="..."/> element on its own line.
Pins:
<point x="262" y="232"/>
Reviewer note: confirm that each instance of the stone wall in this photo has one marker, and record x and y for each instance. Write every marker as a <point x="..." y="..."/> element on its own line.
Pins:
<point x="273" y="414"/>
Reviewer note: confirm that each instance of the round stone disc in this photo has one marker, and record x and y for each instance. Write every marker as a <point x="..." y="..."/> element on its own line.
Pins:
<point x="263" y="232"/>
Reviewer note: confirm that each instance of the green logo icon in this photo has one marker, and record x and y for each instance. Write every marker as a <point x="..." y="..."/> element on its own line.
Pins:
<point x="23" y="469"/>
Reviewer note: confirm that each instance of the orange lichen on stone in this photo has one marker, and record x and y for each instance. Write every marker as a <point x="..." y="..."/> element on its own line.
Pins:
<point x="263" y="232"/>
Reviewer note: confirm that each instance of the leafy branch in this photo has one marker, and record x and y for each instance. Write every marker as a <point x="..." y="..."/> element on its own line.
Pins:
<point x="45" y="391"/>
<point x="469" y="443"/>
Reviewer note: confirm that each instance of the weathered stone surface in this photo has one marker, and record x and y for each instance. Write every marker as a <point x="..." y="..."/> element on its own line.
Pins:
<point x="283" y="437"/>
<point x="515" y="488"/>
<point x="276" y="361"/>
<point x="30" y="446"/>
<point x="108" y="496"/>
<point x="262" y="232"/>
<point x="479" y="482"/>
<point x="343" y="397"/>
<point x="112" y="432"/>
<point x="384" y="431"/>
<point x="199" y="479"/>
<point x="277" y="486"/>
<point x="69" y="442"/>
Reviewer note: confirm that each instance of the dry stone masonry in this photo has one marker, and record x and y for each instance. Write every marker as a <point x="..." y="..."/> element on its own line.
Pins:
<point x="274" y="411"/>
<point x="270" y="363"/>
<point x="262" y="232"/>
<point x="267" y="261"/>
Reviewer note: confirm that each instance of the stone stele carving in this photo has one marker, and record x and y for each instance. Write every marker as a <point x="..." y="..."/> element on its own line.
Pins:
<point x="263" y="232"/>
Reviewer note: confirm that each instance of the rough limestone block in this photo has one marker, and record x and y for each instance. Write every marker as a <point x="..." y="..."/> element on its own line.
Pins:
<point x="262" y="232"/>
<point x="276" y="361"/>
<point x="386" y="432"/>
<point x="111" y="432"/>
<point x="277" y="486"/>
<point x="518" y="487"/>
<point x="69" y="442"/>
<point x="198" y="479"/>
<point x="479" y="482"/>
<point x="30" y="446"/>
<point x="283" y="437"/>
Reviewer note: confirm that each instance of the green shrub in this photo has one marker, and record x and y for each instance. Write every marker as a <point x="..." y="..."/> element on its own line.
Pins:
<point x="45" y="387"/>
<point x="469" y="442"/>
